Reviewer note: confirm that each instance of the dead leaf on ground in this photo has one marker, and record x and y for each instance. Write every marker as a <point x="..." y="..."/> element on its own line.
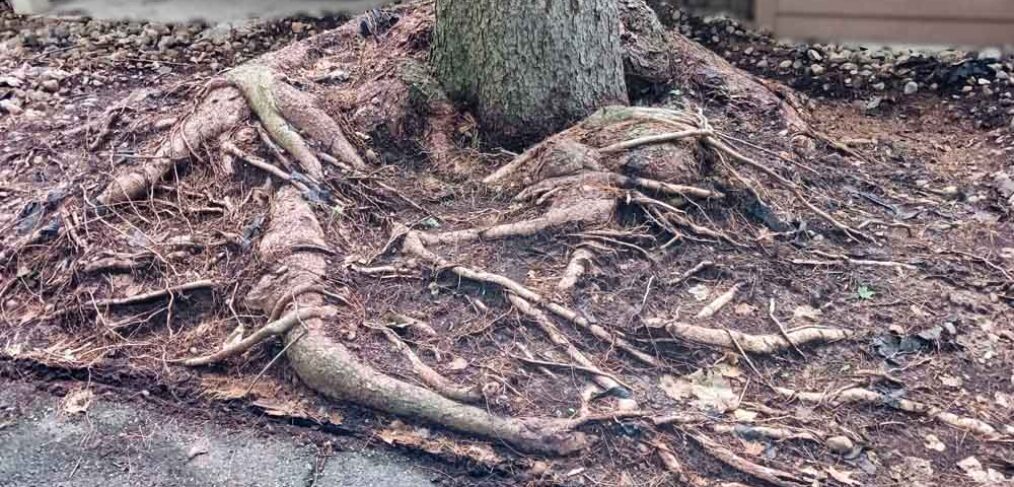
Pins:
<point x="77" y="401"/>
<point x="745" y="309"/>
<point x="752" y="448"/>
<point x="458" y="365"/>
<point x="934" y="443"/>
<point x="700" y="292"/>
<point x="840" y="476"/>
<point x="710" y="388"/>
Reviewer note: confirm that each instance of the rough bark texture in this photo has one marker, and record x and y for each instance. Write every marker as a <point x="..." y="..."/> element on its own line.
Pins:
<point x="529" y="67"/>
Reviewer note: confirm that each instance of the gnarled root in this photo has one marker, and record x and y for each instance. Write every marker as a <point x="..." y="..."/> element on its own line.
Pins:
<point x="773" y="476"/>
<point x="283" y="109"/>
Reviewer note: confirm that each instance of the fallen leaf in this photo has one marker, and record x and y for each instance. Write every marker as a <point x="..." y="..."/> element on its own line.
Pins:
<point x="744" y="309"/>
<point x="700" y="292"/>
<point x="934" y="443"/>
<point x="458" y="364"/>
<point x="77" y="401"/>
<point x="728" y="370"/>
<point x="843" y="477"/>
<point x="744" y="415"/>
<point x="974" y="470"/>
<point x="752" y="448"/>
<point x="676" y="388"/>
<point x="711" y="390"/>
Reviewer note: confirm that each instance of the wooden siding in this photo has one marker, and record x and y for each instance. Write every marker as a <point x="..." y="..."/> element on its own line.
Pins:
<point x="966" y="22"/>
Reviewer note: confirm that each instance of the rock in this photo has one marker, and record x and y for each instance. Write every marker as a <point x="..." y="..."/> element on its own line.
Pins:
<point x="911" y="88"/>
<point x="1002" y="75"/>
<point x="839" y="444"/>
<point x="51" y="85"/>
<point x="990" y="53"/>
<point x="763" y="63"/>
<point x="298" y="27"/>
<point x="10" y="106"/>
<point x="814" y="55"/>
<point x="786" y="64"/>
<point x="879" y="86"/>
<point x="817" y="69"/>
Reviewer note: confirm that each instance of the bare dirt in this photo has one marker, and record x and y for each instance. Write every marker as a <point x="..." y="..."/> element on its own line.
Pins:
<point x="927" y="298"/>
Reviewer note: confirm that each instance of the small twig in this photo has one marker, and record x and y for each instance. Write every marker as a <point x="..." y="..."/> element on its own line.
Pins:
<point x="781" y="328"/>
<point x="747" y="358"/>
<point x="655" y="139"/>
<point x="587" y="370"/>
<point x="161" y="293"/>
<point x="691" y="272"/>
<point x="726" y="456"/>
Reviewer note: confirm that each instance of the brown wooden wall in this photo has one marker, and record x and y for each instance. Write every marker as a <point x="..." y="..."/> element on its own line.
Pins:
<point x="971" y="22"/>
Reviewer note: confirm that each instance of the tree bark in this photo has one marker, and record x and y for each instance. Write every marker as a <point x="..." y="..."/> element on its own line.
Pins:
<point x="527" y="68"/>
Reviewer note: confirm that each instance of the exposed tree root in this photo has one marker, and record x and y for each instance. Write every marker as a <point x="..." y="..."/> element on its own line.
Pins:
<point x="430" y="377"/>
<point x="279" y="107"/>
<point x="759" y="344"/>
<point x="773" y="476"/>
<point x="858" y="395"/>
<point x="221" y="109"/>
<point x="663" y="172"/>
<point x="275" y="328"/>
<point x="607" y="381"/>
<point x="161" y="293"/>
<point x="580" y="261"/>
<point x="412" y="245"/>
<point x="328" y="367"/>
<point x="719" y="302"/>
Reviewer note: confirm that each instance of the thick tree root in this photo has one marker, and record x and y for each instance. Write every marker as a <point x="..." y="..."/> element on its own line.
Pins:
<point x="329" y="368"/>
<point x="221" y="109"/>
<point x="283" y="109"/>
<point x="858" y="395"/>
<point x="758" y="344"/>
<point x="590" y="212"/>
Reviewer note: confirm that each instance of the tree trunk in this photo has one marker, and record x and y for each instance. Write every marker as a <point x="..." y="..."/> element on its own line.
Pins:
<point x="527" y="68"/>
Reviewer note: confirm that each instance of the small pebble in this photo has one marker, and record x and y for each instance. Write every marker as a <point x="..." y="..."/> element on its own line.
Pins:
<point x="840" y="444"/>
<point x="911" y="88"/>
